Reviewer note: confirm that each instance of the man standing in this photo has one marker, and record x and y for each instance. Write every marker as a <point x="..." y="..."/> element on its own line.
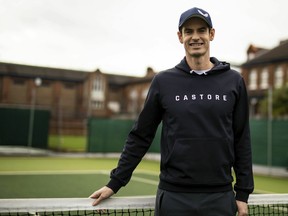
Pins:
<point x="202" y="104"/>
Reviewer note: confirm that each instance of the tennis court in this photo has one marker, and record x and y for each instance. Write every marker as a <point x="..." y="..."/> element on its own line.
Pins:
<point x="259" y="205"/>
<point x="45" y="177"/>
<point x="67" y="178"/>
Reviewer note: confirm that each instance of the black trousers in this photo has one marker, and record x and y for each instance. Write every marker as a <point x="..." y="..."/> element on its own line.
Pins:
<point x="195" y="204"/>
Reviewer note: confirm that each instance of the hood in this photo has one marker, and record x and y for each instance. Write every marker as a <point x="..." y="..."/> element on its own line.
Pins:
<point x="219" y="66"/>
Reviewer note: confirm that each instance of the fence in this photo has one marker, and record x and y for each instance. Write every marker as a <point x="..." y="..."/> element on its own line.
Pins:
<point x="270" y="144"/>
<point x="15" y="127"/>
<point x="106" y="135"/>
<point x="109" y="135"/>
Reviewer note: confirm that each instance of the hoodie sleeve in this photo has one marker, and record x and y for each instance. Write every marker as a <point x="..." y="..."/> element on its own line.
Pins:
<point x="242" y="146"/>
<point x="139" y="139"/>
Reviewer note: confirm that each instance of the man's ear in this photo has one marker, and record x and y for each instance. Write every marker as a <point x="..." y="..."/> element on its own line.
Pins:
<point x="180" y="37"/>
<point x="212" y="34"/>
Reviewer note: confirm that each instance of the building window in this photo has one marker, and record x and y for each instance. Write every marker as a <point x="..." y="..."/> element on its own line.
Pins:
<point x="144" y="93"/>
<point x="253" y="80"/>
<point x="97" y="104"/>
<point x="98" y="93"/>
<point x="278" y="77"/>
<point x="114" y="106"/>
<point x="19" y="81"/>
<point x="68" y="85"/>
<point x="264" y="83"/>
<point x="46" y="83"/>
<point x="133" y="96"/>
<point x="98" y="84"/>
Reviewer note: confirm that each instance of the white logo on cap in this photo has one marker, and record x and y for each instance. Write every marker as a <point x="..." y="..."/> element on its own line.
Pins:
<point x="205" y="15"/>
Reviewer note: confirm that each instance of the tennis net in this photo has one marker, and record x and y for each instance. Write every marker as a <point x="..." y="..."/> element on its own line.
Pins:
<point x="259" y="204"/>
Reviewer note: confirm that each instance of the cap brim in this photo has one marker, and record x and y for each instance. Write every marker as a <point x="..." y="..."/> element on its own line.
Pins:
<point x="193" y="16"/>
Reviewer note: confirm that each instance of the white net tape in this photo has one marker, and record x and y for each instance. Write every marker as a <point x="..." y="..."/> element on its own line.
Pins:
<point x="136" y="202"/>
<point x="74" y="204"/>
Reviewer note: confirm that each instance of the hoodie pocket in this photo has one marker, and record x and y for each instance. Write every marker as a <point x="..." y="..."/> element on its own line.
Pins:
<point x="201" y="161"/>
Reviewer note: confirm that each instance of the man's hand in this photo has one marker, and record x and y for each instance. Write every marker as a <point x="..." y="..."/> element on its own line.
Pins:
<point x="101" y="194"/>
<point x="242" y="208"/>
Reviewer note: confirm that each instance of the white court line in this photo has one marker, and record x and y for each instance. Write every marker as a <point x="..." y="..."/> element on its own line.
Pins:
<point x="39" y="172"/>
<point x="144" y="180"/>
<point x="54" y="172"/>
<point x="263" y="192"/>
<point x="104" y="172"/>
<point x="69" y="172"/>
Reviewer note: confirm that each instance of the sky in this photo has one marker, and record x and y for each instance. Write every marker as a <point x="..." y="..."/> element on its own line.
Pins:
<point x="127" y="36"/>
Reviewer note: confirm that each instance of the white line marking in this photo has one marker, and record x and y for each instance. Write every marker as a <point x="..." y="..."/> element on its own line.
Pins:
<point x="144" y="180"/>
<point x="63" y="172"/>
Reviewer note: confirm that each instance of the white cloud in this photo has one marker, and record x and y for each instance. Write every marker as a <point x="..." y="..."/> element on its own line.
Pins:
<point x="127" y="36"/>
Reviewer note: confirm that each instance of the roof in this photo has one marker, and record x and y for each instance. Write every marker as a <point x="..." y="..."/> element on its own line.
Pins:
<point x="29" y="71"/>
<point x="119" y="80"/>
<point x="275" y="55"/>
<point x="18" y="70"/>
<point x="122" y="80"/>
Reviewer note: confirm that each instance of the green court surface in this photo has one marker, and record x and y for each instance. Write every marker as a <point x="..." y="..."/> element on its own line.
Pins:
<point x="54" y="177"/>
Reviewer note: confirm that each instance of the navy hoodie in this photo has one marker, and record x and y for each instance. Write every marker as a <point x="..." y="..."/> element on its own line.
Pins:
<point x="205" y="132"/>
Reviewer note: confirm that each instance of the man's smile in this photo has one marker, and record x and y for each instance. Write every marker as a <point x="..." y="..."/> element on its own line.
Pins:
<point x="196" y="44"/>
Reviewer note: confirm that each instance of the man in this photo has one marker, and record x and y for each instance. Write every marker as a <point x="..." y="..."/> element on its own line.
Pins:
<point x="202" y="105"/>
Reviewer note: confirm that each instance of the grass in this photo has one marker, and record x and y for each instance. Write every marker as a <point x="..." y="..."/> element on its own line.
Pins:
<point x="16" y="164"/>
<point x="268" y="184"/>
<point x="23" y="177"/>
<point x="67" y="143"/>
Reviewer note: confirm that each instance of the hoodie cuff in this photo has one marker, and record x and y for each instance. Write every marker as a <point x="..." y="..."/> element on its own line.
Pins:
<point x="242" y="196"/>
<point x="114" y="185"/>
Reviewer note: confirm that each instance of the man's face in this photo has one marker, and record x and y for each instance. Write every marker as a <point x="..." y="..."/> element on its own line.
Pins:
<point x="196" y="37"/>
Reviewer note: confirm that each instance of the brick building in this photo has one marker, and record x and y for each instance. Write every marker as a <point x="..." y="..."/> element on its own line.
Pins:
<point x="264" y="69"/>
<point x="72" y="96"/>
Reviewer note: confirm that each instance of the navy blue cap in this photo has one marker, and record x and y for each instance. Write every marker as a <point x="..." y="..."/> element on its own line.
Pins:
<point x="195" y="12"/>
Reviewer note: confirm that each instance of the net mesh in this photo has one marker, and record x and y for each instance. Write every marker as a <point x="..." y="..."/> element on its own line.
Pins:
<point x="268" y="204"/>
<point x="259" y="205"/>
<point x="140" y="206"/>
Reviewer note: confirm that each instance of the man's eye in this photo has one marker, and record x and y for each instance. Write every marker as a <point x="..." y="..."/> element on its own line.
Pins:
<point x="202" y="30"/>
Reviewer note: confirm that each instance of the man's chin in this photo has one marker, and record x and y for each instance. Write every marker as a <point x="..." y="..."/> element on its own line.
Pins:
<point x="196" y="55"/>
